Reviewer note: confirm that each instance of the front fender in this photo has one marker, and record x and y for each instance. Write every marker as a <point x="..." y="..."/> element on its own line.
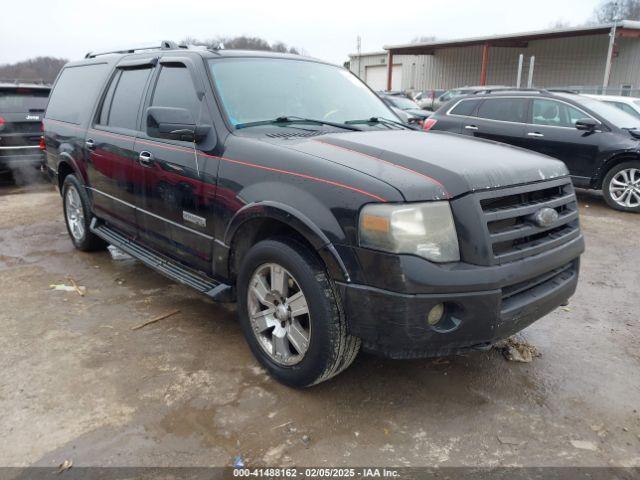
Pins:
<point x="301" y="223"/>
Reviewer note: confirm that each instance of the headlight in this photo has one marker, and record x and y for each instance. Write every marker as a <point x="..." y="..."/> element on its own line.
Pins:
<point x="423" y="229"/>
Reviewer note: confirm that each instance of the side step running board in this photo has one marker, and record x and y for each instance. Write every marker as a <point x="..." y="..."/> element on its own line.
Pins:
<point x="215" y="290"/>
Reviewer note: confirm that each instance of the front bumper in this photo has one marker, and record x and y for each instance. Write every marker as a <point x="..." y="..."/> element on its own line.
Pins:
<point x="482" y="304"/>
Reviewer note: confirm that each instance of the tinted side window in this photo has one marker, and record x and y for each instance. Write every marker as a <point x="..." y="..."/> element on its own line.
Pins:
<point x="465" y="107"/>
<point x="555" y="114"/>
<point x="175" y="89"/>
<point x="75" y="92"/>
<point x="505" y="109"/>
<point x="127" y="95"/>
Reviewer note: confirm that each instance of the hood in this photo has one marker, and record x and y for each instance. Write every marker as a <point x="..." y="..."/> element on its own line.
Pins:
<point x="431" y="165"/>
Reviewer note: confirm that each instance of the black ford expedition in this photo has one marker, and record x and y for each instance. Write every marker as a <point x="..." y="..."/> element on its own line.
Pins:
<point x="21" y="108"/>
<point x="285" y="184"/>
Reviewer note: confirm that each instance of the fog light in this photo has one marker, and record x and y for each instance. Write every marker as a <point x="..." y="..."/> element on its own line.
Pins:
<point x="435" y="314"/>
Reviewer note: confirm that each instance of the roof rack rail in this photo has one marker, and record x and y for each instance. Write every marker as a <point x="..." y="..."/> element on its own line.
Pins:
<point x="31" y="81"/>
<point x="512" y="89"/>
<point x="563" y="90"/>
<point x="164" y="45"/>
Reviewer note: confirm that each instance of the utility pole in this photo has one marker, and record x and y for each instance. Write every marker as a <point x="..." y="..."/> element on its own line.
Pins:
<point x="520" y="61"/>
<point x="532" y="63"/>
<point x="612" y="42"/>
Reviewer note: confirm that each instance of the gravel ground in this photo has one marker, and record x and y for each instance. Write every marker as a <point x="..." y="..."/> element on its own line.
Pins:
<point x="77" y="383"/>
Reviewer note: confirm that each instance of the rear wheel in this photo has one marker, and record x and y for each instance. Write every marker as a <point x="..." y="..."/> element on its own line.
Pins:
<point x="290" y="314"/>
<point x="621" y="187"/>
<point x="77" y="215"/>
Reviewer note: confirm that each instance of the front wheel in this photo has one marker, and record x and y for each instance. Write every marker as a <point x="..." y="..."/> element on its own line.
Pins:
<point x="621" y="187"/>
<point x="290" y="315"/>
<point x="77" y="215"/>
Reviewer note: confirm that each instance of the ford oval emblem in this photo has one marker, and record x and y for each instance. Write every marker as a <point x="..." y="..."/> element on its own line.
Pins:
<point x="545" y="217"/>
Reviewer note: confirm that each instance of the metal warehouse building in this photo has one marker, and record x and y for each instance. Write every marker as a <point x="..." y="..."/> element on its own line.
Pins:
<point x="583" y="58"/>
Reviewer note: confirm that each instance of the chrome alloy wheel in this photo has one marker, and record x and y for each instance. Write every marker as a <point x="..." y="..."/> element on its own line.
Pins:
<point x="74" y="213"/>
<point x="279" y="314"/>
<point x="625" y="188"/>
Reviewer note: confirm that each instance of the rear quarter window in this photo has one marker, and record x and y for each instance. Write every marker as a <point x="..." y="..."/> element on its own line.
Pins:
<point x="75" y="92"/>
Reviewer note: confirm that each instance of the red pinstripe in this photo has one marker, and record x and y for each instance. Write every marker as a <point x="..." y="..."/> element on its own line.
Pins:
<point x="431" y="179"/>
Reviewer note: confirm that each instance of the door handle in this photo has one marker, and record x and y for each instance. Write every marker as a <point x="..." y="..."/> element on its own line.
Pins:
<point x="535" y="134"/>
<point x="90" y="144"/>
<point x="471" y="127"/>
<point x="145" y="158"/>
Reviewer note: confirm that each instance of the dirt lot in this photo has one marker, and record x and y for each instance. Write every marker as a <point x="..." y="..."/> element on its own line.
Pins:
<point x="77" y="383"/>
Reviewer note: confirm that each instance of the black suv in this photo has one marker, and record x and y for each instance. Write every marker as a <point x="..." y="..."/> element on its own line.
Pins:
<point x="21" y="108"/>
<point x="599" y="143"/>
<point x="286" y="184"/>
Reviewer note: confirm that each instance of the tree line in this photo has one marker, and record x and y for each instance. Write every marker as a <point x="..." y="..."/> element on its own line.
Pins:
<point x="45" y="69"/>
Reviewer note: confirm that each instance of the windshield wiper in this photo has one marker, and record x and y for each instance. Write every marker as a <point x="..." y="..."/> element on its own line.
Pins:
<point x="381" y="120"/>
<point x="290" y="119"/>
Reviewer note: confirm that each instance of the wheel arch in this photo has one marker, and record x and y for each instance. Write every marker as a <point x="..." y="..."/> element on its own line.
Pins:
<point x="268" y="219"/>
<point x="66" y="166"/>
<point x="611" y="163"/>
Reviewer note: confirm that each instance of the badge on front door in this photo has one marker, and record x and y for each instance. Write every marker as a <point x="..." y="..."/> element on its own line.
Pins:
<point x="191" y="218"/>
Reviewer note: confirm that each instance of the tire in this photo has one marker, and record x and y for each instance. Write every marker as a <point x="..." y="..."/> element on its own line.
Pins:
<point x="614" y="184"/>
<point x="329" y="347"/>
<point x="77" y="216"/>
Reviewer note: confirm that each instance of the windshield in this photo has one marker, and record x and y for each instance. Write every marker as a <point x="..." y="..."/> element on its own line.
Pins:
<point x="259" y="89"/>
<point x="22" y="100"/>
<point x="610" y="113"/>
<point x="403" y="103"/>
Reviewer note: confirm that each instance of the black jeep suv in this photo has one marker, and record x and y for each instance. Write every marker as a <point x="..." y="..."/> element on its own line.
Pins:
<point x="286" y="184"/>
<point x="21" y="108"/>
<point x="599" y="143"/>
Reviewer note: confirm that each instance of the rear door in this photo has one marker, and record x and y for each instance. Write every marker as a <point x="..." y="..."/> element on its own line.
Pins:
<point x="501" y="119"/>
<point x="178" y="210"/>
<point x="116" y="176"/>
<point x="551" y="130"/>
<point x="454" y="116"/>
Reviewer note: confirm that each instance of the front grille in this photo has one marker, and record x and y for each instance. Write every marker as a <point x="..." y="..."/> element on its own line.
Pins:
<point x="507" y="215"/>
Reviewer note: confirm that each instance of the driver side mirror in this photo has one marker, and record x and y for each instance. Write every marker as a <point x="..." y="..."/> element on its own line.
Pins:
<point x="587" y="124"/>
<point x="174" y="124"/>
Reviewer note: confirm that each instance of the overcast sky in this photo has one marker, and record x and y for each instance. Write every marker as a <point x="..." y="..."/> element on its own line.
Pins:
<point x="326" y="29"/>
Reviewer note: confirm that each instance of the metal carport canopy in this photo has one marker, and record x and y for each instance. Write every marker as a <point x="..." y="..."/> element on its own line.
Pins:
<point x="625" y="28"/>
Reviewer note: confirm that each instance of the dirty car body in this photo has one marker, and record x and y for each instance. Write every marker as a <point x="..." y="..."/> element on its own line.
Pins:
<point x="333" y="186"/>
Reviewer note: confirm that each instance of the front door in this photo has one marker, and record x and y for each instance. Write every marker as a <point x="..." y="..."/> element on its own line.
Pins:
<point x="177" y="216"/>
<point x="115" y="174"/>
<point x="551" y="130"/>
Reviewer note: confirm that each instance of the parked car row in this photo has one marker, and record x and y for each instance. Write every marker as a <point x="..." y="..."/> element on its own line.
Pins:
<point x="404" y="105"/>
<point x="434" y="99"/>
